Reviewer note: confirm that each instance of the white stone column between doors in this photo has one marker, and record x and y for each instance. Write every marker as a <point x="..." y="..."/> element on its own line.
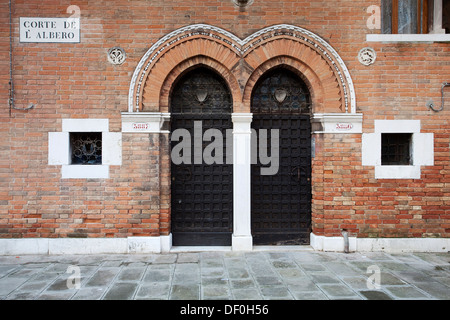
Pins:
<point x="242" y="238"/>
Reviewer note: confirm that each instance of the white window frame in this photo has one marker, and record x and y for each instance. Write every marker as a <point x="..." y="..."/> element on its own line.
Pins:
<point x="437" y="17"/>
<point x="422" y="149"/>
<point x="59" y="152"/>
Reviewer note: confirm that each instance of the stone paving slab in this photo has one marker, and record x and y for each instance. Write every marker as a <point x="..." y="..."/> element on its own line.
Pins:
<point x="225" y="275"/>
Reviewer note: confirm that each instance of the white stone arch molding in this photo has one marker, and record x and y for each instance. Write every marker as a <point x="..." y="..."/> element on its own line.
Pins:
<point x="241" y="47"/>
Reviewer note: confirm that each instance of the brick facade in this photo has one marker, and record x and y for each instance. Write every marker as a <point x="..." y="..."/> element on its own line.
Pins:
<point x="76" y="81"/>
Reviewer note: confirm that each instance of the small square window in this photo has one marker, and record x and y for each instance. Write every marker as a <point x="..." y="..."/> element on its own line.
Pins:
<point x="396" y="149"/>
<point x="86" y="148"/>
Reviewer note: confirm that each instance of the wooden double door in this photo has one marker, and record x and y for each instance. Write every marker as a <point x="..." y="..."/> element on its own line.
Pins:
<point x="202" y="193"/>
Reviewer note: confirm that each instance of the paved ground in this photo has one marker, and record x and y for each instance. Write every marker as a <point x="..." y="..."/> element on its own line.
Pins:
<point x="219" y="275"/>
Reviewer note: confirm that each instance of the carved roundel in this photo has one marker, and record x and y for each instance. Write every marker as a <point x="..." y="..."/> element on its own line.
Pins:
<point x="367" y="56"/>
<point x="116" y="55"/>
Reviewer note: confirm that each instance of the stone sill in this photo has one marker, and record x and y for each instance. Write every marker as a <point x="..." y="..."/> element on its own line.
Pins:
<point x="337" y="122"/>
<point x="392" y="38"/>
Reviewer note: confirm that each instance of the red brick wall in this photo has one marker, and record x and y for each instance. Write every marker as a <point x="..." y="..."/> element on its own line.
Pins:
<point x="77" y="81"/>
<point x="5" y="168"/>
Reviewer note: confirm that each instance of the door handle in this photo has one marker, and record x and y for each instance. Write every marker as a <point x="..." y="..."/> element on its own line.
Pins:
<point x="295" y="174"/>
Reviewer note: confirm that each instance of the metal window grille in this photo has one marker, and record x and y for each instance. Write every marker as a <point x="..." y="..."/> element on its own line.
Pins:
<point x="202" y="92"/>
<point x="396" y="148"/>
<point x="280" y="92"/>
<point x="86" y="148"/>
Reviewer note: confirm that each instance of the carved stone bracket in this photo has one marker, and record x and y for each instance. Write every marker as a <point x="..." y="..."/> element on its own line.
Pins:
<point x="337" y="122"/>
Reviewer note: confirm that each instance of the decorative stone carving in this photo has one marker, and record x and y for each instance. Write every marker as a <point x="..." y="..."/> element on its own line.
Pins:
<point x="367" y="56"/>
<point x="280" y="95"/>
<point x="241" y="48"/>
<point x="116" y="55"/>
<point x="201" y="95"/>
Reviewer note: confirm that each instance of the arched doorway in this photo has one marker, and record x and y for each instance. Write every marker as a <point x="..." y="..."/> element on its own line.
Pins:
<point x="241" y="62"/>
<point x="281" y="199"/>
<point x="201" y="173"/>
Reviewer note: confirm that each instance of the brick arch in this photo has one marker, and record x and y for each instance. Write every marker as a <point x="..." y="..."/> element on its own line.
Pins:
<point x="311" y="50"/>
<point x="241" y="62"/>
<point x="192" y="63"/>
<point x="172" y="51"/>
<point x="198" y="51"/>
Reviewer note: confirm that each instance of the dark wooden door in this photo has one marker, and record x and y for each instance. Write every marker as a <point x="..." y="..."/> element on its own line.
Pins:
<point x="201" y="193"/>
<point x="281" y="203"/>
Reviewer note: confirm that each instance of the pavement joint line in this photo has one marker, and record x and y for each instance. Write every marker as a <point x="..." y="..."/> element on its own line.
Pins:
<point x="200" y="280"/>
<point x="11" y="271"/>
<point x="258" y="287"/>
<point x="312" y="280"/>
<point x="140" y="282"/>
<point x="114" y="281"/>
<point x="340" y="277"/>
<point x="341" y="280"/>
<point x="32" y="278"/>
<point x="51" y="283"/>
<point x="94" y="273"/>
<point x="279" y="275"/>
<point x="226" y="275"/>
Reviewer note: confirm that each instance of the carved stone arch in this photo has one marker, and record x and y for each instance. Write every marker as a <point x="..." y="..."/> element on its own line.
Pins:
<point x="195" y="51"/>
<point x="241" y="58"/>
<point x="311" y="50"/>
<point x="181" y="47"/>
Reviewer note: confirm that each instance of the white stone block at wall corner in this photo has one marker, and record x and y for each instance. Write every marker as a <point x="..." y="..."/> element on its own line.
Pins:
<point x="423" y="149"/>
<point x="85" y="172"/>
<point x="371" y="149"/>
<point x="85" y="125"/>
<point x="397" y="126"/>
<point x="112" y="148"/>
<point x="58" y="148"/>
